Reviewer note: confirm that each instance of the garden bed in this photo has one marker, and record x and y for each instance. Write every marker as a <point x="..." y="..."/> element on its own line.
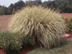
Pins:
<point x="24" y="51"/>
<point x="30" y="48"/>
<point x="4" y="20"/>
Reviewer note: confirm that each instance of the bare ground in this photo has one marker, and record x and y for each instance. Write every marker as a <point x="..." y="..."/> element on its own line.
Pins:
<point x="4" y="20"/>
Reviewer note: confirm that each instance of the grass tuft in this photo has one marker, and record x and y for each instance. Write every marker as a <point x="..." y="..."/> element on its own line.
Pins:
<point x="44" y="25"/>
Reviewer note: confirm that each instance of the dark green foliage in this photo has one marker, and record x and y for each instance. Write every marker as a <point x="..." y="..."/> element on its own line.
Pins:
<point x="19" y="5"/>
<point x="30" y="3"/>
<point x="64" y="6"/>
<point x="13" y="12"/>
<point x="10" y="42"/>
<point x="38" y="2"/>
<point x="10" y="9"/>
<point x="1" y="11"/>
<point x="27" y="41"/>
<point x="49" y="4"/>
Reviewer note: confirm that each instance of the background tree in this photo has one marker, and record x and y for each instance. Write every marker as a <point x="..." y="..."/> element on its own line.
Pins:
<point x="30" y="3"/>
<point x="13" y="12"/>
<point x="10" y="8"/>
<point x="50" y="4"/>
<point x="64" y="6"/>
<point x="38" y="2"/>
<point x="1" y="11"/>
<point x="19" y="5"/>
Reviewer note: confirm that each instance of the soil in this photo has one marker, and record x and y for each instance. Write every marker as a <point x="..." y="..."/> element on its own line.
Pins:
<point x="66" y="14"/>
<point x="2" y="51"/>
<point x="5" y="19"/>
<point x="69" y="36"/>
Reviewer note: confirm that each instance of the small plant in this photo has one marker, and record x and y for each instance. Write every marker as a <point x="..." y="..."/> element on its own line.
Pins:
<point x="68" y="23"/>
<point x="10" y="42"/>
<point x="44" y="25"/>
<point x="27" y="41"/>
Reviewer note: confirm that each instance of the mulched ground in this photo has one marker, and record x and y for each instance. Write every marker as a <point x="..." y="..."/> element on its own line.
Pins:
<point x="69" y="36"/>
<point x="29" y="48"/>
<point x="2" y="51"/>
<point x="66" y="14"/>
<point x="5" y="19"/>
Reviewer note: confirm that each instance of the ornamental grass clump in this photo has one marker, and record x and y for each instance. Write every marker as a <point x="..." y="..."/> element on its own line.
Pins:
<point x="44" y="25"/>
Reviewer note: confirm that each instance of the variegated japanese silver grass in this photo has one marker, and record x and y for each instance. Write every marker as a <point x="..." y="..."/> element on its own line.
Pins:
<point x="45" y="25"/>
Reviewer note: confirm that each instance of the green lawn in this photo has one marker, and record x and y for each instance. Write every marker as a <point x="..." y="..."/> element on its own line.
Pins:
<point x="65" y="48"/>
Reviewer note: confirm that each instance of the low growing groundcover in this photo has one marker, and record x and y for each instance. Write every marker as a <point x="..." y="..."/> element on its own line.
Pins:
<point x="65" y="48"/>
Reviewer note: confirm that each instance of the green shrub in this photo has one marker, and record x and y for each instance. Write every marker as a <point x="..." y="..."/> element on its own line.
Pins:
<point x="44" y="25"/>
<point x="27" y="41"/>
<point x="10" y="42"/>
<point x="68" y="23"/>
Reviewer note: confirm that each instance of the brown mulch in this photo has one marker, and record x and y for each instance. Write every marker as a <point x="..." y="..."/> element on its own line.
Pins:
<point x="69" y="36"/>
<point x="2" y="51"/>
<point x="29" y="48"/>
